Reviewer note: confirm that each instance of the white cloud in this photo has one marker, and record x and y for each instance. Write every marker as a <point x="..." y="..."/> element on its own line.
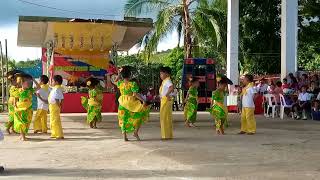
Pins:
<point x="15" y="52"/>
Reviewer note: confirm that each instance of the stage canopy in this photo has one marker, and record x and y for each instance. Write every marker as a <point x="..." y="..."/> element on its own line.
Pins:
<point x="79" y="34"/>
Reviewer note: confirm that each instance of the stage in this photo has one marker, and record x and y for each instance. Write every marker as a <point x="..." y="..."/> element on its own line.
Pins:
<point x="72" y="103"/>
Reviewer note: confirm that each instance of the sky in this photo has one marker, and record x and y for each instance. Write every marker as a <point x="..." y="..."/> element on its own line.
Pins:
<point x="10" y="10"/>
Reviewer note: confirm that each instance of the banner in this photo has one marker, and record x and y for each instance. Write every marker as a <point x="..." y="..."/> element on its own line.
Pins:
<point x="77" y="64"/>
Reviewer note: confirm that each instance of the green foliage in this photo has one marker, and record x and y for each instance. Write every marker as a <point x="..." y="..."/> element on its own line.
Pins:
<point x="260" y="36"/>
<point x="175" y="60"/>
<point x="309" y="39"/>
<point x="27" y="64"/>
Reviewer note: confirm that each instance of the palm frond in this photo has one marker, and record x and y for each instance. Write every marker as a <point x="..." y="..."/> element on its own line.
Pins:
<point x="165" y="24"/>
<point x="137" y="7"/>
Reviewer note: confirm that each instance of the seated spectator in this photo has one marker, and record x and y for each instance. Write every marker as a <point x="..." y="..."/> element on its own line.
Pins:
<point x="285" y="84"/>
<point x="303" y="105"/>
<point x="277" y="91"/>
<point x="262" y="86"/>
<point x="304" y="81"/>
<point x="315" y="78"/>
<point x="315" y="110"/>
<point x="271" y="87"/>
<point x="313" y="89"/>
<point x="293" y="82"/>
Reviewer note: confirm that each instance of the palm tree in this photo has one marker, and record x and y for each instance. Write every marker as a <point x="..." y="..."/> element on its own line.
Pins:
<point x="209" y="25"/>
<point x="187" y="17"/>
<point x="172" y="14"/>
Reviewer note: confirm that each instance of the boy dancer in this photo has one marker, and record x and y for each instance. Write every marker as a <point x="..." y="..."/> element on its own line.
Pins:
<point x="248" y="122"/>
<point x="40" y="121"/>
<point x="165" y="92"/>
<point x="55" y="103"/>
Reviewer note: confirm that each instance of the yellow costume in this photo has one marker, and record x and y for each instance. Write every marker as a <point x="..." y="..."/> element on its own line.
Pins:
<point x="166" y="111"/>
<point x="54" y="108"/>
<point x="23" y="111"/>
<point x="13" y="93"/>
<point x="40" y="120"/>
<point x="131" y="112"/>
<point x="248" y="122"/>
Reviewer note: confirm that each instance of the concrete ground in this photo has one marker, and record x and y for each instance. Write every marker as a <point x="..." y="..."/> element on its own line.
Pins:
<point x="281" y="149"/>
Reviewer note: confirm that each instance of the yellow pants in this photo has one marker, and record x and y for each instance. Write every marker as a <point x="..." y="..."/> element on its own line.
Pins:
<point x="248" y="122"/>
<point x="55" y="121"/>
<point x="166" y="118"/>
<point x="40" y="121"/>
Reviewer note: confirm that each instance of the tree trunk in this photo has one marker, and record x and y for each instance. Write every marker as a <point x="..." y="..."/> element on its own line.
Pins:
<point x="187" y="30"/>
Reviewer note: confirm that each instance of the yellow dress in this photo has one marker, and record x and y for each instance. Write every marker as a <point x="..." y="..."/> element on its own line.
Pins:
<point x="55" y="119"/>
<point x="131" y="112"/>
<point x="40" y="120"/>
<point x="166" y="114"/>
<point x="13" y="93"/>
<point x="23" y="111"/>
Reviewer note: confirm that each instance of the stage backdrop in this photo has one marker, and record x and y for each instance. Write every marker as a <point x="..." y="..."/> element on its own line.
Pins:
<point x="73" y="65"/>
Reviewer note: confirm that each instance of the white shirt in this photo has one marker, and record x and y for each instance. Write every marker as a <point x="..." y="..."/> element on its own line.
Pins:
<point x="318" y="97"/>
<point x="44" y="94"/>
<point x="304" y="97"/>
<point x="165" y="88"/>
<point x="56" y="93"/>
<point x="262" y="88"/>
<point x="247" y="99"/>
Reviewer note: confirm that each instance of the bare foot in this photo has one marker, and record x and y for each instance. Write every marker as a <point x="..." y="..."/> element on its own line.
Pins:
<point x="8" y="130"/>
<point x="36" y="131"/>
<point x="242" y="132"/>
<point x="218" y="131"/>
<point x="187" y="124"/>
<point x="250" y="133"/>
<point x="192" y="125"/>
<point x="136" y="136"/>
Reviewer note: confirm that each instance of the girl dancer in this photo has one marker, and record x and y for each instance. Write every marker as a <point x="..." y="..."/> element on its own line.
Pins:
<point x="218" y="110"/>
<point x="13" y="94"/>
<point x="131" y="112"/>
<point x="23" y="106"/>
<point x="93" y="104"/>
<point x="191" y="106"/>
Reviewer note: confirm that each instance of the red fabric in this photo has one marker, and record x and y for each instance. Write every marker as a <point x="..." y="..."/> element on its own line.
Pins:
<point x="233" y="108"/>
<point x="72" y="103"/>
<point x="258" y="102"/>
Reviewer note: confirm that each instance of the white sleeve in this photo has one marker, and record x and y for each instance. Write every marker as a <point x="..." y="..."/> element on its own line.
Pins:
<point x="58" y="94"/>
<point x="253" y="91"/>
<point x="300" y="97"/>
<point x="318" y="97"/>
<point x="168" y="84"/>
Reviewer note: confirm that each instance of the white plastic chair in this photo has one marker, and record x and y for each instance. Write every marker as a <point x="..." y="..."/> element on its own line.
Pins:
<point x="283" y="106"/>
<point x="271" y="105"/>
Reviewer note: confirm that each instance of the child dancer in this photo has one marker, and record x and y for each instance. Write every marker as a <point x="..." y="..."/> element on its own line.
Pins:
<point x="165" y="92"/>
<point x="191" y="106"/>
<point x="218" y="110"/>
<point x="131" y="112"/>
<point x="40" y="120"/>
<point x="13" y="94"/>
<point x="93" y="104"/>
<point x="248" y="122"/>
<point x="55" y="103"/>
<point x="23" y="106"/>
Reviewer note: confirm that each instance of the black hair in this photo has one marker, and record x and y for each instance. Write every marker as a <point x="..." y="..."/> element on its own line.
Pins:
<point x="111" y="62"/>
<point x="125" y="72"/>
<point x="94" y="82"/>
<point x="223" y="81"/>
<point x="58" y="79"/>
<point x="194" y="79"/>
<point x="285" y="80"/>
<point x="44" y="79"/>
<point x="279" y="84"/>
<point x="166" y="70"/>
<point x="249" y="77"/>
